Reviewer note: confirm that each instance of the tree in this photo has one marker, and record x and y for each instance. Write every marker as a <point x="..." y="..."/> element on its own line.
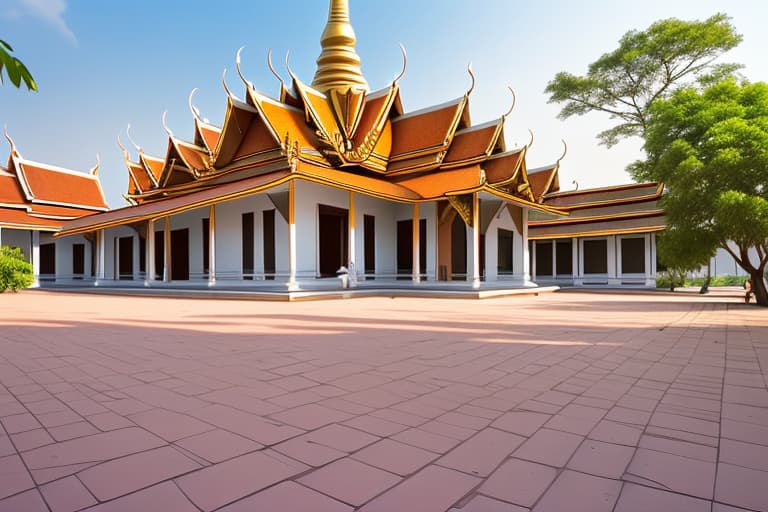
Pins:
<point x="16" y="70"/>
<point x="710" y="148"/>
<point x="15" y="271"/>
<point x="646" y="67"/>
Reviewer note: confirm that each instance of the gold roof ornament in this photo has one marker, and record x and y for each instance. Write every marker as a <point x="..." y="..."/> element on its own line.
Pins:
<point x="338" y="66"/>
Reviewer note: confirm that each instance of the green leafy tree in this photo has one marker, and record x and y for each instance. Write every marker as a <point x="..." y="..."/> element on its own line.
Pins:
<point x="710" y="148"/>
<point x="15" y="272"/>
<point x="647" y="66"/>
<point x="14" y="68"/>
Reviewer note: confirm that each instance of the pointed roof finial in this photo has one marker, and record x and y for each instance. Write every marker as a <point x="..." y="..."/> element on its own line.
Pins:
<point x="338" y="66"/>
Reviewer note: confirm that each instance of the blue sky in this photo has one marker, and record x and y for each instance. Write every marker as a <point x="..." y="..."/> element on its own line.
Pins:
<point x="101" y="65"/>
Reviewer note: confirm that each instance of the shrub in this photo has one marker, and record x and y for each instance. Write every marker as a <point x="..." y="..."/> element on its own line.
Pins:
<point x="15" y="271"/>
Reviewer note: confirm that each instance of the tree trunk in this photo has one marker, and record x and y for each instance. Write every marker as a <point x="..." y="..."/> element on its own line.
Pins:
<point x="758" y="288"/>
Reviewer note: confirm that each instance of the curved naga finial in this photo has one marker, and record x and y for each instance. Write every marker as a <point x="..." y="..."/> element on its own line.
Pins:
<point x="95" y="168"/>
<point x="240" y="71"/>
<point x="165" y="125"/>
<point x="224" y="83"/>
<point x="565" y="151"/>
<point x="288" y="64"/>
<point x="530" y="142"/>
<point x="272" y="68"/>
<point x="195" y="111"/>
<point x="10" y="140"/>
<point x="128" y="133"/>
<point x="514" y="101"/>
<point x="405" y="65"/>
<point x="126" y="154"/>
<point x="472" y="76"/>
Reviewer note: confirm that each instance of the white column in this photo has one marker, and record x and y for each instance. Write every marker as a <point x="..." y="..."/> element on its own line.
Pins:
<point x="167" y="250"/>
<point x="351" y="243"/>
<point x="415" y="250"/>
<point x="575" y="262"/>
<point x="475" y="241"/>
<point x="526" y="251"/>
<point x="613" y="261"/>
<point x="149" y="276"/>
<point x="554" y="258"/>
<point x="292" y="285"/>
<point x="650" y="269"/>
<point x="35" y="256"/>
<point x="212" y="245"/>
<point x="101" y="256"/>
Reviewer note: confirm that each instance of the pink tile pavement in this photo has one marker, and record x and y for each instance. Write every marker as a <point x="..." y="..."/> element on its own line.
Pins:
<point x="569" y="401"/>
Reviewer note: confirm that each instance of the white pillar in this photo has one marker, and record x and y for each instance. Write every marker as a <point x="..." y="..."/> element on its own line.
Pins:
<point x="351" y="243"/>
<point x="475" y="241"/>
<point x="292" y="285"/>
<point x="212" y="245"/>
<point x="35" y="257"/>
<point x="101" y="256"/>
<point x="526" y="251"/>
<point x="149" y="266"/>
<point x="650" y="251"/>
<point x="415" y="249"/>
<point x="575" y="262"/>
<point x="554" y="258"/>
<point x="167" y="250"/>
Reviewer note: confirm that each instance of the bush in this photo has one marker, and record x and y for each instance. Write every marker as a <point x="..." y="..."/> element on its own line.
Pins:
<point x="15" y="272"/>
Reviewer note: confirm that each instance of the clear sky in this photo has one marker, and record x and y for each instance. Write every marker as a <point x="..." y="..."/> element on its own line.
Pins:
<point x="101" y="65"/>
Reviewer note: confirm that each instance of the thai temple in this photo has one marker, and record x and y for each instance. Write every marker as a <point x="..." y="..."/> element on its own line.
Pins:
<point x="332" y="175"/>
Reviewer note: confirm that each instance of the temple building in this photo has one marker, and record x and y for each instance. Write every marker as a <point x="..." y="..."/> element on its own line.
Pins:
<point x="607" y="239"/>
<point x="36" y="200"/>
<point x="328" y="175"/>
<point x="331" y="176"/>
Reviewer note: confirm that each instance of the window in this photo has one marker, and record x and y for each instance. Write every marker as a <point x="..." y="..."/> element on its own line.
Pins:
<point x="564" y="257"/>
<point x="633" y="256"/>
<point x="369" y="245"/>
<point x="248" y="245"/>
<point x="506" y="248"/>
<point x="268" y="219"/>
<point x="543" y="258"/>
<point x="78" y="260"/>
<point x="595" y="256"/>
<point x="206" y="232"/>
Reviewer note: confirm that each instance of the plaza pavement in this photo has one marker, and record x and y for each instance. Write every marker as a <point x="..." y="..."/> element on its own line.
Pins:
<point x="562" y="402"/>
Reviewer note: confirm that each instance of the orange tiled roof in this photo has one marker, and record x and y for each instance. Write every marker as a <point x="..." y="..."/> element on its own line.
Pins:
<point x="58" y="186"/>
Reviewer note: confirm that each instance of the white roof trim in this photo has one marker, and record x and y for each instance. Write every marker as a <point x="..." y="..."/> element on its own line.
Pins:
<point x="430" y="109"/>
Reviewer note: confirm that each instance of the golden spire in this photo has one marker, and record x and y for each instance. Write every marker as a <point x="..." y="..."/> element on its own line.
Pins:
<point x="338" y="66"/>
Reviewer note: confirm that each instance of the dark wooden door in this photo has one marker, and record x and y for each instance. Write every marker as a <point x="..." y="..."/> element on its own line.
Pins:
<point x="180" y="255"/>
<point x="159" y="254"/>
<point x="125" y="257"/>
<point x="458" y="248"/>
<point x="333" y="225"/>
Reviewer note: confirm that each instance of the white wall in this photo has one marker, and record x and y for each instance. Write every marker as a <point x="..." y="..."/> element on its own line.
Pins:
<point x="21" y="238"/>
<point x="229" y="238"/>
<point x="502" y="220"/>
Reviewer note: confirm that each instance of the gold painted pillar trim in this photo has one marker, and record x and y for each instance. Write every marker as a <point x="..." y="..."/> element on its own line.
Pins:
<point x="292" y="235"/>
<point x="167" y="250"/>
<point x="416" y="261"/>
<point x="149" y="277"/>
<point x="475" y="241"/>
<point x="352" y="242"/>
<point x="212" y="245"/>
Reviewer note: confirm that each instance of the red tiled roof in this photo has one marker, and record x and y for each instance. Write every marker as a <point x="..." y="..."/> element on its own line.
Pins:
<point x="61" y="187"/>
<point x="428" y="129"/>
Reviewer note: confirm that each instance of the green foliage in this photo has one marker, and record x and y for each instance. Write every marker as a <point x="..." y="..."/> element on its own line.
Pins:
<point x="647" y="66"/>
<point x="663" y="281"/>
<point x="16" y="70"/>
<point x="710" y="148"/>
<point x="15" y="272"/>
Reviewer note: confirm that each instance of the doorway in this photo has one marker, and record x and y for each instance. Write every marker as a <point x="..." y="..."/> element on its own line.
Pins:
<point x="405" y="249"/>
<point x="180" y="255"/>
<point x="125" y="258"/>
<point x="333" y="227"/>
